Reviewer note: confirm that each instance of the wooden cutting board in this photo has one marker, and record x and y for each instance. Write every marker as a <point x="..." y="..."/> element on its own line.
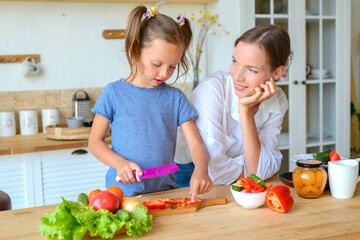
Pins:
<point x="178" y="210"/>
<point x="188" y="208"/>
<point x="62" y="132"/>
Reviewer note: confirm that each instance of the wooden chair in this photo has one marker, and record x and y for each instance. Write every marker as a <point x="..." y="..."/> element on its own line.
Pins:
<point x="5" y="201"/>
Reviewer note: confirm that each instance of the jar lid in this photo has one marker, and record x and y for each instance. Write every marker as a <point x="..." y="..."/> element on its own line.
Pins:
<point x="310" y="163"/>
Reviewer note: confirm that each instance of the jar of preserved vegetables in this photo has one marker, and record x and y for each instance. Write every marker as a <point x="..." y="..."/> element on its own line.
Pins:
<point x="309" y="178"/>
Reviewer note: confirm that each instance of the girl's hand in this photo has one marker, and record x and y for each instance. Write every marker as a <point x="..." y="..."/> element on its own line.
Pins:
<point x="200" y="183"/>
<point x="262" y="93"/>
<point x="125" y="171"/>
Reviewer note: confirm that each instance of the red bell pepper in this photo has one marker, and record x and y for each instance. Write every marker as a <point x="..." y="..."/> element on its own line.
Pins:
<point x="279" y="199"/>
<point x="169" y="203"/>
<point x="268" y="186"/>
<point x="177" y="201"/>
<point x="258" y="190"/>
<point x="254" y="185"/>
<point x="152" y="204"/>
<point x="334" y="156"/>
<point x="250" y="186"/>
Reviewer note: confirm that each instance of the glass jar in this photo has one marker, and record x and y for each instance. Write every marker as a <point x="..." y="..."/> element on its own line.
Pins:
<point x="309" y="178"/>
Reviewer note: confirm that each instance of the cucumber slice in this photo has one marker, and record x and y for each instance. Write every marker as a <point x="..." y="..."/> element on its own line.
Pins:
<point x="236" y="187"/>
<point x="257" y="179"/>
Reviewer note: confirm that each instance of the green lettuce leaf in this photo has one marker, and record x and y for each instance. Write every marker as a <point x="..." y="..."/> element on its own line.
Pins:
<point x="60" y="222"/>
<point x="140" y="222"/>
<point x="71" y="220"/>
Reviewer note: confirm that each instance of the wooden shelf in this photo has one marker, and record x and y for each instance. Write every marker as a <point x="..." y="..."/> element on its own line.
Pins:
<point x="120" y="1"/>
<point x="114" y="34"/>
<point x="18" y="58"/>
<point x="38" y="143"/>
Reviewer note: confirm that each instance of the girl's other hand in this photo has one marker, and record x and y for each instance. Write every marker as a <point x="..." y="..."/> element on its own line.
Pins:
<point x="200" y="183"/>
<point x="125" y="171"/>
<point x="262" y="93"/>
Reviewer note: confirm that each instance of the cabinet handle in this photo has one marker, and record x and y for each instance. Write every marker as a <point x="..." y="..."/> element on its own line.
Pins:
<point x="295" y="82"/>
<point x="79" y="152"/>
<point x="303" y="82"/>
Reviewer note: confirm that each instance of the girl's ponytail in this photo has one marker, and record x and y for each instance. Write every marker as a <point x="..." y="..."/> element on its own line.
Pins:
<point x="133" y="43"/>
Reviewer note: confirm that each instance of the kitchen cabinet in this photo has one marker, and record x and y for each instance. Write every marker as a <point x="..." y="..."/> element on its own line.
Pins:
<point x="66" y="173"/>
<point x="319" y="106"/>
<point x="15" y="172"/>
<point x="42" y="178"/>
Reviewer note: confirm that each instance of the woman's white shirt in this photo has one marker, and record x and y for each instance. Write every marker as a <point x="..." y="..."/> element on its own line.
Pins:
<point x="219" y="126"/>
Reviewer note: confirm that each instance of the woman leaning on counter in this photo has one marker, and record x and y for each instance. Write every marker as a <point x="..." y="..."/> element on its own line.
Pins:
<point x="241" y="112"/>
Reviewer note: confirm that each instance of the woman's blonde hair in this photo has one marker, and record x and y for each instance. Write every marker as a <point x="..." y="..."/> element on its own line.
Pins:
<point x="140" y="32"/>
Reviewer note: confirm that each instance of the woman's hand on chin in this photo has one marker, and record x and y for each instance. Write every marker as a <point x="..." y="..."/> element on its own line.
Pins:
<point x="262" y="93"/>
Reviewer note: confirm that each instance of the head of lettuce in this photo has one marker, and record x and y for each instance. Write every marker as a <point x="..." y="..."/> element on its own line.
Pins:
<point x="71" y="220"/>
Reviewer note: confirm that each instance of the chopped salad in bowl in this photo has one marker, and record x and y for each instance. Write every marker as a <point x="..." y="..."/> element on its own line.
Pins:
<point x="250" y="192"/>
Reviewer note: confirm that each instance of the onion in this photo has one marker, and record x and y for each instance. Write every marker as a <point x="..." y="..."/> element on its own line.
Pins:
<point x="130" y="203"/>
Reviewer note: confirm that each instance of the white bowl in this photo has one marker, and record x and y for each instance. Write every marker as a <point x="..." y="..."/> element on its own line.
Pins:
<point x="319" y="72"/>
<point x="249" y="200"/>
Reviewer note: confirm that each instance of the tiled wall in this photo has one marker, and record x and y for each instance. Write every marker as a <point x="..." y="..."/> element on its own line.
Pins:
<point x="61" y="99"/>
<point x="37" y="100"/>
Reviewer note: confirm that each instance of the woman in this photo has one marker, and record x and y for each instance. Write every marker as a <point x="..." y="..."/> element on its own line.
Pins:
<point x="241" y="112"/>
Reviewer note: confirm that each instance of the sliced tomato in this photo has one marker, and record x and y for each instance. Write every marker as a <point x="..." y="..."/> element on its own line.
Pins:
<point x="279" y="199"/>
<point x="152" y="204"/>
<point x="334" y="156"/>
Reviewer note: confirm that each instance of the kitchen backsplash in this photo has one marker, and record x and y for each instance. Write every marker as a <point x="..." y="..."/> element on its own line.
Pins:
<point x="42" y="99"/>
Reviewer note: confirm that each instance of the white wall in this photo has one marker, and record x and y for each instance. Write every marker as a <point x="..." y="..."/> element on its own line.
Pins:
<point x="221" y="47"/>
<point x="68" y="37"/>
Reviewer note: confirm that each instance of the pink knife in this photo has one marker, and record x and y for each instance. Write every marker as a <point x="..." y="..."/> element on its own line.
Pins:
<point x="154" y="172"/>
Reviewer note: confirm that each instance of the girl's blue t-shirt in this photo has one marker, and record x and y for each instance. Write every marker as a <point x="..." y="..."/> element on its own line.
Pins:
<point x="144" y="125"/>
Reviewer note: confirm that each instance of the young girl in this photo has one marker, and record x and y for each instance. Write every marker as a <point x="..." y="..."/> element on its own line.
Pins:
<point x="241" y="112"/>
<point x="144" y="112"/>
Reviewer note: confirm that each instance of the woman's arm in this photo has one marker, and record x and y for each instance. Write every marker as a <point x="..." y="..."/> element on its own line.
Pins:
<point x="251" y="142"/>
<point x="102" y="152"/>
<point x="248" y="107"/>
<point x="269" y="135"/>
<point x="200" y="182"/>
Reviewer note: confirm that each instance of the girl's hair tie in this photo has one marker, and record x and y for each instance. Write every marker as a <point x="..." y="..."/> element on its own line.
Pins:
<point x="181" y="21"/>
<point x="151" y="12"/>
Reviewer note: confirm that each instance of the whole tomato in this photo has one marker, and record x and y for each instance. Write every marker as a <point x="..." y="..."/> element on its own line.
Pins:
<point x="334" y="156"/>
<point x="105" y="200"/>
<point x="119" y="198"/>
<point x="92" y="194"/>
